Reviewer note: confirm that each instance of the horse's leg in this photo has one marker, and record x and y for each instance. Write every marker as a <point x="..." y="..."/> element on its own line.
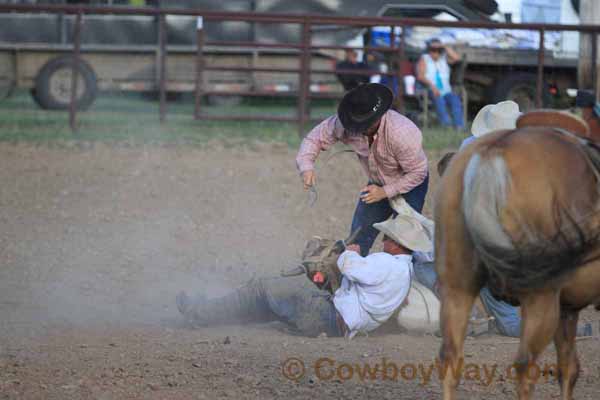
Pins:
<point x="457" y="302"/>
<point x="568" y="364"/>
<point x="460" y="284"/>
<point x="540" y="314"/>
<point x="459" y="276"/>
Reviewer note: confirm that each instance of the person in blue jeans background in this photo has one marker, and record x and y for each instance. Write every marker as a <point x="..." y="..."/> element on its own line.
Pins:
<point x="433" y="71"/>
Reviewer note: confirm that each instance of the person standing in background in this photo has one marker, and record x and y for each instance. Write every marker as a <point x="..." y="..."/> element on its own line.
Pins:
<point x="433" y="71"/>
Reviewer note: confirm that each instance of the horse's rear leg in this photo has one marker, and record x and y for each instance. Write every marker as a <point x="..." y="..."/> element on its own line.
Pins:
<point x="457" y="303"/>
<point x="540" y="315"/>
<point x="568" y="364"/>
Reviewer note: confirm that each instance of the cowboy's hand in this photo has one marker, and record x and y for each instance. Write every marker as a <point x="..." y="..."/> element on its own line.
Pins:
<point x="353" y="247"/>
<point x="435" y="91"/>
<point x="309" y="179"/>
<point x="372" y="194"/>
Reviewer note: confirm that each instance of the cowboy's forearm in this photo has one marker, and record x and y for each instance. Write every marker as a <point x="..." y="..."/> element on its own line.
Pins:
<point x="318" y="139"/>
<point x="354" y="267"/>
<point x="308" y="153"/>
<point x="453" y="56"/>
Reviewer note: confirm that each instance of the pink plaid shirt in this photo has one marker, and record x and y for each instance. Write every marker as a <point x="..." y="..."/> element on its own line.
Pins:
<point x="398" y="152"/>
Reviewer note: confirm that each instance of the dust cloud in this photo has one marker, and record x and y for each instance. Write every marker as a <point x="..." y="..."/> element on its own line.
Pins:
<point x="109" y="235"/>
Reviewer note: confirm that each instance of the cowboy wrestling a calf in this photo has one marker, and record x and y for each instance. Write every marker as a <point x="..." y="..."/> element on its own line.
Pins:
<point x="372" y="290"/>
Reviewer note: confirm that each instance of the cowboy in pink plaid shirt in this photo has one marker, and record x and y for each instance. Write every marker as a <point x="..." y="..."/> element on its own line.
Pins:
<point x="389" y="147"/>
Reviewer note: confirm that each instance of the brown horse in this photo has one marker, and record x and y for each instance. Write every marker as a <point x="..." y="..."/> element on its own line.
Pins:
<point x="519" y="210"/>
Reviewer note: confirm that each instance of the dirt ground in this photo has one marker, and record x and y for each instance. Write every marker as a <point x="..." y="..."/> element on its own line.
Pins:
<point x="97" y="240"/>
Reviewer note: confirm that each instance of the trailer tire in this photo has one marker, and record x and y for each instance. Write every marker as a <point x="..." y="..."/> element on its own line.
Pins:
<point x="53" y="85"/>
<point x="521" y="88"/>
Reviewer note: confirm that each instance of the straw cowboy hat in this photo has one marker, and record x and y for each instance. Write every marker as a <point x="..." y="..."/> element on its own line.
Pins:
<point x="495" y="117"/>
<point x="406" y="231"/>
<point x="363" y="106"/>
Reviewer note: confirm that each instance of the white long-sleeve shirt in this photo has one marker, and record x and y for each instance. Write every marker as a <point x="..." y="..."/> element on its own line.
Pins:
<point x="372" y="288"/>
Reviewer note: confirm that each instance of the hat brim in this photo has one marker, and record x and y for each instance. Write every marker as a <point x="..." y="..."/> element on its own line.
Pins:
<point x="355" y="125"/>
<point x="479" y="127"/>
<point x="418" y="241"/>
<point x="482" y="124"/>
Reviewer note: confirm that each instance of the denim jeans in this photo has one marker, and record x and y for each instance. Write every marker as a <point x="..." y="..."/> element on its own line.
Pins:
<point x="453" y="102"/>
<point x="425" y="274"/>
<point x="508" y="320"/>
<point x="299" y="303"/>
<point x="365" y="215"/>
<point x="466" y="142"/>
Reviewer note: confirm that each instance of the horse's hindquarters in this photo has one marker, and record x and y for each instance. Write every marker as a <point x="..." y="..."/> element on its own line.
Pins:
<point x="527" y="197"/>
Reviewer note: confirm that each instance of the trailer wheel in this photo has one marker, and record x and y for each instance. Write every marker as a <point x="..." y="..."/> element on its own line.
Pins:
<point x="53" y="84"/>
<point x="520" y="88"/>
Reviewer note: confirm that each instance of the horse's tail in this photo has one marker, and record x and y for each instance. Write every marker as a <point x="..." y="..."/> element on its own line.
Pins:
<point x="524" y="257"/>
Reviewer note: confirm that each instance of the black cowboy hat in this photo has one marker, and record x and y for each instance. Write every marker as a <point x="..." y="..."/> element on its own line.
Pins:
<point x="363" y="106"/>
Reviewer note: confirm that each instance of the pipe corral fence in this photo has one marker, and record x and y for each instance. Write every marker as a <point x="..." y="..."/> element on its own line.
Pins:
<point x="305" y="48"/>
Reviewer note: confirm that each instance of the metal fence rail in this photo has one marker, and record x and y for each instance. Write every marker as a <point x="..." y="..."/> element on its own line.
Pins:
<point x="305" y="48"/>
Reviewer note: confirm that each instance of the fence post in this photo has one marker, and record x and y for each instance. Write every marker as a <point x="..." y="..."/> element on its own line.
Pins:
<point x="595" y="64"/>
<point x="391" y="65"/>
<point x="540" y="72"/>
<point x="162" y="37"/>
<point x="304" y="88"/>
<point x="75" y="72"/>
<point x="199" y="67"/>
<point x="400" y="73"/>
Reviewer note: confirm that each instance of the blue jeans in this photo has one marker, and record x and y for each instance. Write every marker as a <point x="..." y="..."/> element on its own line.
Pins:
<point x="507" y="318"/>
<point x="466" y="142"/>
<point x="425" y="274"/>
<point x="453" y="101"/>
<point x="366" y="215"/>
